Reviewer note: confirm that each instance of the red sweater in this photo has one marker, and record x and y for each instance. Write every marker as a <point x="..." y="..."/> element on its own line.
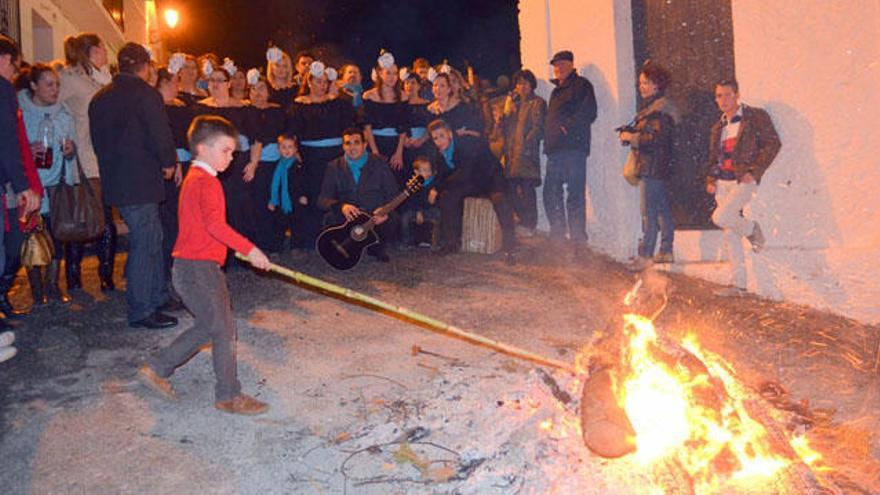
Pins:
<point x="30" y="171"/>
<point x="204" y="233"/>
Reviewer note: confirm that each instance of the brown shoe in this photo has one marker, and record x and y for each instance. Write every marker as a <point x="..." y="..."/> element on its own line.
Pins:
<point x="156" y="383"/>
<point x="242" y="404"/>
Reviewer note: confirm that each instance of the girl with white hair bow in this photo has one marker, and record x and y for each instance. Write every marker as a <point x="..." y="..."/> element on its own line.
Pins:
<point x="317" y="120"/>
<point x="385" y="118"/>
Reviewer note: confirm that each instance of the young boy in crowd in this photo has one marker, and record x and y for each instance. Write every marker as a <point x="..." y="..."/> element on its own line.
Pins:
<point x="200" y="252"/>
<point x="281" y="190"/>
<point x="420" y="214"/>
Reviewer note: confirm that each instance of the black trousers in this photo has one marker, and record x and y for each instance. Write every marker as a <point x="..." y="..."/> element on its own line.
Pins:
<point x="525" y="200"/>
<point x="451" y="204"/>
<point x="270" y="225"/>
<point x="202" y="287"/>
<point x="307" y="219"/>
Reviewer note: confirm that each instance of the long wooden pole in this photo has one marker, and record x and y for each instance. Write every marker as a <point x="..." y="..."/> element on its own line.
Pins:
<point x="412" y="315"/>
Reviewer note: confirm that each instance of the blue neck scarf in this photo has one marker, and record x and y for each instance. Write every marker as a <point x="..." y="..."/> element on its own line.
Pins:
<point x="357" y="93"/>
<point x="280" y="193"/>
<point x="356" y="166"/>
<point x="448" y="154"/>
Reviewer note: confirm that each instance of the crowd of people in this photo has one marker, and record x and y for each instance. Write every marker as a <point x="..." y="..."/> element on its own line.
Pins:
<point x="313" y="148"/>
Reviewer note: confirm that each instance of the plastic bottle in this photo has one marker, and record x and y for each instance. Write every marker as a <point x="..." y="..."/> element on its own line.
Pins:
<point x="46" y="137"/>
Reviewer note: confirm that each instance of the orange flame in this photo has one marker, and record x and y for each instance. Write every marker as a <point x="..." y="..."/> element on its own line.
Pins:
<point x="691" y="408"/>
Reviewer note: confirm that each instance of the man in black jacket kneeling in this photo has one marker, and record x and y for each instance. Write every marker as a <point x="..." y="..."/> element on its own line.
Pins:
<point x="359" y="183"/>
<point x="465" y="167"/>
<point x="133" y="141"/>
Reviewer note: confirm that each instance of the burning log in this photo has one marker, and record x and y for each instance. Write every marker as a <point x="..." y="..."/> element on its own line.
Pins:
<point x="683" y="414"/>
<point x="606" y="428"/>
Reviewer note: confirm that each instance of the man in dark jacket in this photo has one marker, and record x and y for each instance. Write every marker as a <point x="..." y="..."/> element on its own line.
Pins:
<point x="133" y="142"/>
<point x="571" y="111"/>
<point x="359" y="183"/>
<point x="742" y="145"/>
<point x="11" y="164"/>
<point x="465" y="167"/>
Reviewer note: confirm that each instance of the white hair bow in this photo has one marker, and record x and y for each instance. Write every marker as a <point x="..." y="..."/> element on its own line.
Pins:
<point x="385" y="60"/>
<point x="229" y="65"/>
<point x="274" y="54"/>
<point x="317" y="68"/>
<point x="253" y="77"/>
<point x="176" y="62"/>
<point x="432" y="74"/>
<point x="207" y="68"/>
<point x="404" y="73"/>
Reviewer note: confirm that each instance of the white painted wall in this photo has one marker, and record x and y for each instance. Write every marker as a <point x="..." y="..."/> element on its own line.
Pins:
<point x="61" y="27"/>
<point x="815" y="66"/>
<point x="69" y="17"/>
<point x="599" y="33"/>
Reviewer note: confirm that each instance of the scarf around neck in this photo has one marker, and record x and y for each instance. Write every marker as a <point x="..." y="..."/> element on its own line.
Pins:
<point x="280" y="192"/>
<point x="356" y="166"/>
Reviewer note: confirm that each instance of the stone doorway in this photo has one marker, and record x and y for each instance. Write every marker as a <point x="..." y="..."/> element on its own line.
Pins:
<point x="693" y="39"/>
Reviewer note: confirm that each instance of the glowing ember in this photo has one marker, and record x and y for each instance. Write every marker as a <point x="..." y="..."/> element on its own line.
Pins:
<point x="686" y="405"/>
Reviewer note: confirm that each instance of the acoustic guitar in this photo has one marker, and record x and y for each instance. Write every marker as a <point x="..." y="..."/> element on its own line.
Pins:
<point x="343" y="245"/>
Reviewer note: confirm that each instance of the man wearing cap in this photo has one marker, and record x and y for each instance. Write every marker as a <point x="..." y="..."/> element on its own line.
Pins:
<point x="571" y="111"/>
<point x="133" y="142"/>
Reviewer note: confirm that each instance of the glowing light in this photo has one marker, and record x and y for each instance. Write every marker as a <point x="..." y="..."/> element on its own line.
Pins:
<point x="172" y="17"/>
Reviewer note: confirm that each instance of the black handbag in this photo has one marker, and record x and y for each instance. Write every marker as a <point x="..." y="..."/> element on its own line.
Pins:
<point x="76" y="210"/>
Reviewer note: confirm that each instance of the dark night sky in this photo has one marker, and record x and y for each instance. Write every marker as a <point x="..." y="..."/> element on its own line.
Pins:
<point x="484" y="32"/>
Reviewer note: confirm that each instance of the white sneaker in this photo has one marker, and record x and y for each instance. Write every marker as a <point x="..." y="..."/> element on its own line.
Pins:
<point x="6" y="353"/>
<point x="6" y="339"/>
<point x="729" y="292"/>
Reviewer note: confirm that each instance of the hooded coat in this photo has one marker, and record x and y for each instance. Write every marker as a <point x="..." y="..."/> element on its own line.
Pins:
<point x="63" y="128"/>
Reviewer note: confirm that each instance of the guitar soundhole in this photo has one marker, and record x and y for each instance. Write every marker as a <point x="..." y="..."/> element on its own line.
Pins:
<point x="358" y="233"/>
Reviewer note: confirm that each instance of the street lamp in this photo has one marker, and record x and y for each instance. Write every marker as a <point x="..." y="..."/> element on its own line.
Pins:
<point x="172" y="17"/>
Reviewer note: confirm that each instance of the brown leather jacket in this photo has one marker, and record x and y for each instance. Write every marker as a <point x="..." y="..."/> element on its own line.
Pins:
<point x="756" y="146"/>
<point x="524" y="130"/>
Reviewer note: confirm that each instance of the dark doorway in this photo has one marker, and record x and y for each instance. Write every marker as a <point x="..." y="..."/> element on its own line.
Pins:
<point x="693" y="39"/>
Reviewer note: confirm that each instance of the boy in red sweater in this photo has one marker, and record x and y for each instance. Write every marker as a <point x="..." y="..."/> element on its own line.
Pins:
<point x="199" y="254"/>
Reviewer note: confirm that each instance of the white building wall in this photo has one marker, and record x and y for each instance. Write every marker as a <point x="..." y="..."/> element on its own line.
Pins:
<point x="599" y="33"/>
<point x="815" y="66"/>
<point x="69" y="17"/>
<point x="61" y="27"/>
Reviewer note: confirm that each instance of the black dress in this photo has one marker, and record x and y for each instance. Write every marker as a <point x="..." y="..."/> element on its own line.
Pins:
<point x="464" y="115"/>
<point x="180" y="117"/>
<point x="283" y="97"/>
<point x="271" y="123"/>
<point x="387" y="121"/>
<point x="419" y="117"/>
<point x="189" y="99"/>
<point x="240" y="211"/>
<point x="318" y="128"/>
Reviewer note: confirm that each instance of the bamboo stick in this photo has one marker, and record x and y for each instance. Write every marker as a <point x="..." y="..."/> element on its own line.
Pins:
<point x="412" y="315"/>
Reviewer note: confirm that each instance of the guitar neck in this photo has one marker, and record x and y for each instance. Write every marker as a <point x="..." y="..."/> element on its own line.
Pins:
<point x="389" y="206"/>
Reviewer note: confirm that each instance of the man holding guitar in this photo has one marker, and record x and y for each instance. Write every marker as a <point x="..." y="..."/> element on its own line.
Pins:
<point x="355" y="186"/>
